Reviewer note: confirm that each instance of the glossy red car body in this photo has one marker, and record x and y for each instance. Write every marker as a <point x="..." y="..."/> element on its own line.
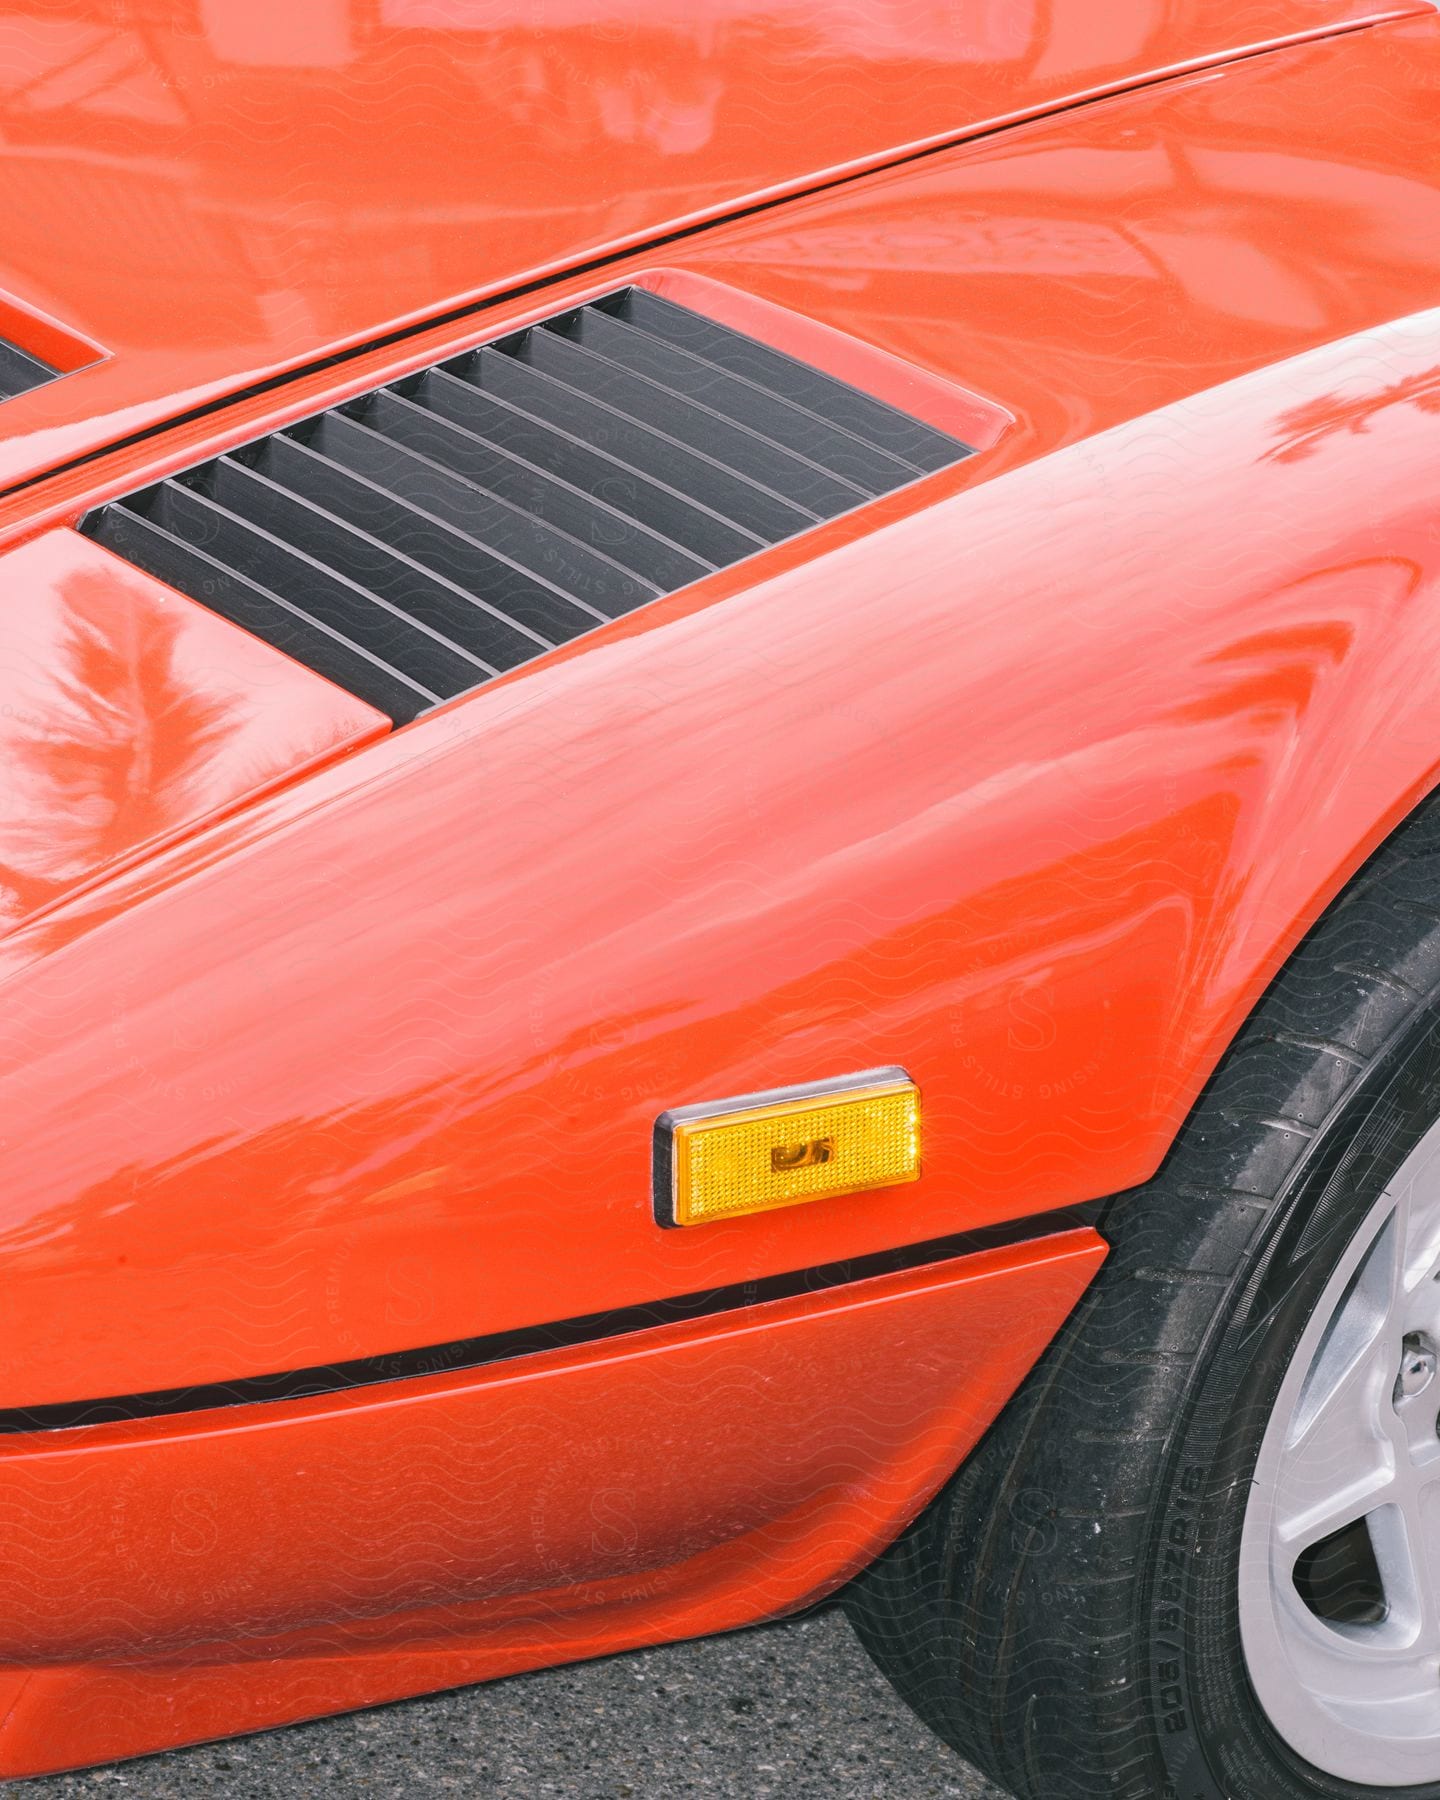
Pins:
<point x="322" y="1044"/>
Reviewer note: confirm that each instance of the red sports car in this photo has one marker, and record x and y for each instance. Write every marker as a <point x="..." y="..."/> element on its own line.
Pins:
<point x="718" y="870"/>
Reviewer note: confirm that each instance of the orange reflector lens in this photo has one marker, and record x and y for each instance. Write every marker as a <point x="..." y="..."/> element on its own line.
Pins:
<point x="752" y="1155"/>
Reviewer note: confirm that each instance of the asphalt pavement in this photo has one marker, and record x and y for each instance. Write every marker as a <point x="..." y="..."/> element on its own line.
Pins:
<point x="793" y="1710"/>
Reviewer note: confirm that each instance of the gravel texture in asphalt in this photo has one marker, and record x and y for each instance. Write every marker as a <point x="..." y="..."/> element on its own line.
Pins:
<point x="794" y="1710"/>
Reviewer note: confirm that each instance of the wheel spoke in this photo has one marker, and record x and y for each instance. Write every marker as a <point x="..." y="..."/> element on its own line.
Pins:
<point x="1343" y="1466"/>
<point x="1339" y="1459"/>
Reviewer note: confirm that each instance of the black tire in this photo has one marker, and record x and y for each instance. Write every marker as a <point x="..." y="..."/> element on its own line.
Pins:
<point x="1065" y="1613"/>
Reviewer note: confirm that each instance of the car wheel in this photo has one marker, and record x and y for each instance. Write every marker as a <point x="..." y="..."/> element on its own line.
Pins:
<point x="1199" y="1555"/>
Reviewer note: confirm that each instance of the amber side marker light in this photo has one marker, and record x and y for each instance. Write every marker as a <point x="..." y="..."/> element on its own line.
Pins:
<point x="726" y="1159"/>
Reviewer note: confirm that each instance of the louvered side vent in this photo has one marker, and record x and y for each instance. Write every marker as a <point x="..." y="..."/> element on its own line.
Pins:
<point x="20" y="371"/>
<point x="416" y="541"/>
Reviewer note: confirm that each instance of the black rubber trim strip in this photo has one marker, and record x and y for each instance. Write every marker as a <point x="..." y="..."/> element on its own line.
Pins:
<point x="509" y="1346"/>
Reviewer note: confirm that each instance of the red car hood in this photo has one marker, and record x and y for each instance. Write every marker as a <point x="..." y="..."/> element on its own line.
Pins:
<point x="1023" y="777"/>
<point x="207" y="200"/>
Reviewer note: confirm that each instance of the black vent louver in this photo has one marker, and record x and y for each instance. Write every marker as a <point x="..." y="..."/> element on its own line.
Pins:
<point x="20" y="371"/>
<point x="415" y="541"/>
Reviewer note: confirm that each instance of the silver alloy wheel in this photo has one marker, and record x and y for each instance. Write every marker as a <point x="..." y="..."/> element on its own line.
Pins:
<point x="1348" y="1482"/>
